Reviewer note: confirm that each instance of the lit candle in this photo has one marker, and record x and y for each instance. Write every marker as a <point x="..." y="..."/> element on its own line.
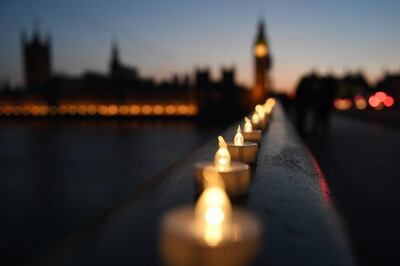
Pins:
<point x="241" y="150"/>
<point x="260" y="111"/>
<point x="250" y="134"/>
<point x="255" y="120"/>
<point x="262" y="117"/>
<point x="269" y="105"/>
<point x="212" y="214"/>
<point x="222" y="158"/>
<point x="247" y="125"/>
<point x="235" y="175"/>
<point x="239" y="139"/>
<point x="211" y="233"/>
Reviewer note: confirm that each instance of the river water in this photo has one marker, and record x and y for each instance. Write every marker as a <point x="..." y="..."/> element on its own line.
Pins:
<point x="57" y="176"/>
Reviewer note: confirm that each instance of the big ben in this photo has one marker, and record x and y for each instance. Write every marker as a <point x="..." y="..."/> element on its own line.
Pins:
<point x="262" y="65"/>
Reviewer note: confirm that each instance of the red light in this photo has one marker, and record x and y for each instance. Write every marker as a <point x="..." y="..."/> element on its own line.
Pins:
<point x="359" y="97"/>
<point x="381" y="96"/>
<point x="374" y="101"/>
<point x="389" y="101"/>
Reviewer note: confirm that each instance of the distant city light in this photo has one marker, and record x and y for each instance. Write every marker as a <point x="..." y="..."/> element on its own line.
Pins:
<point x="381" y="96"/>
<point x="92" y="109"/>
<point x="72" y="110"/>
<point x="342" y="103"/>
<point x="158" y="110"/>
<point x="380" y="100"/>
<point x="374" y="101"/>
<point x="146" y="109"/>
<point x="170" y="109"/>
<point x="82" y="109"/>
<point x="360" y="102"/>
<point x="112" y="110"/>
<point x="100" y="110"/>
<point x="389" y="101"/>
<point x="123" y="110"/>
<point x="134" y="110"/>
<point x="182" y="109"/>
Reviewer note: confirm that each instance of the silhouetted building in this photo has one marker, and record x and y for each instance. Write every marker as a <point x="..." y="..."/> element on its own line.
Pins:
<point x="119" y="70"/>
<point x="352" y="84"/>
<point x="36" y="59"/>
<point x="123" y="87"/>
<point x="262" y="65"/>
<point x="228" y="77"/>
<point x="222" y="97"/>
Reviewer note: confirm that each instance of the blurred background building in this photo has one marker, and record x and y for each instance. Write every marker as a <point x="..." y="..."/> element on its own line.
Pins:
<point x="124" y="86"/>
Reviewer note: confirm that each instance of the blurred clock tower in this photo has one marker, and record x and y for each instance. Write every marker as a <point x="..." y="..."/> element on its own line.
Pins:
<point x="262" y="66"/>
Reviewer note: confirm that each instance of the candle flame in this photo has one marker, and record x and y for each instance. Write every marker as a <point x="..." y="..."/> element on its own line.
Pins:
<point x="222" y="159"/>
<point x="213" y="212"/>
<point x="238" y="140"/>
<point x="260" y="112"/>
<point x="222" y="142"/>
<point x="247" y="125"/>
<point x="269" y="104"/>
<point x="255" y="119"/>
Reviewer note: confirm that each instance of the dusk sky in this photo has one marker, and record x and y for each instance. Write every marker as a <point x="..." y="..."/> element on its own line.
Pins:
<point x="164" y="37"/>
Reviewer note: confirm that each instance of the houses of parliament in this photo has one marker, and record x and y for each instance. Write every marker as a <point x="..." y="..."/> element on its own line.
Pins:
<point x="124" y="92"/>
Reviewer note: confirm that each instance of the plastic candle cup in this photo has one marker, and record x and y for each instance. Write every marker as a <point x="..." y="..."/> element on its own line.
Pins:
<point x="210" y="233"/>
<point x="234" y="174"/>
<point x="243" y="151"/>
<point x="250" y="134"/>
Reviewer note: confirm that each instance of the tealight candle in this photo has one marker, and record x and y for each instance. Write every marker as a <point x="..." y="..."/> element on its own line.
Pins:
<point x="241" y="150"/>
<point x="250" y="134"/>
<point x="255" y="121"/>
<point x="212" y="233"/>
<point x="269" y="105"/>
<point x="263" y="118"/>
<point x="235" y="175"/>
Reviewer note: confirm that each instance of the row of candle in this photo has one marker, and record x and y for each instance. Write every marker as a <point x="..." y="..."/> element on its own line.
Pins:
<point x="213" y="232"/>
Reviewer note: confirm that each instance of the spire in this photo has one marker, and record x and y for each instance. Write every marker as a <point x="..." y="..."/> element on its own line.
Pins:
<point x="115" y="52"/>
<point x="261" y="35"/>
<point x="36" y="29"/>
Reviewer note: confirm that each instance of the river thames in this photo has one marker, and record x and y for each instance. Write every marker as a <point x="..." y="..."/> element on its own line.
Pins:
<point x="58" y="175"/>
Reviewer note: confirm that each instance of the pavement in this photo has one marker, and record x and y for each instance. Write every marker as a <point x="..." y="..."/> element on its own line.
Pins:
<point x="360" y="159"/>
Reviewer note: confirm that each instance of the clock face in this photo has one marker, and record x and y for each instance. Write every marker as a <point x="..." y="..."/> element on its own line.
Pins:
<point x="260" y="50"/>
